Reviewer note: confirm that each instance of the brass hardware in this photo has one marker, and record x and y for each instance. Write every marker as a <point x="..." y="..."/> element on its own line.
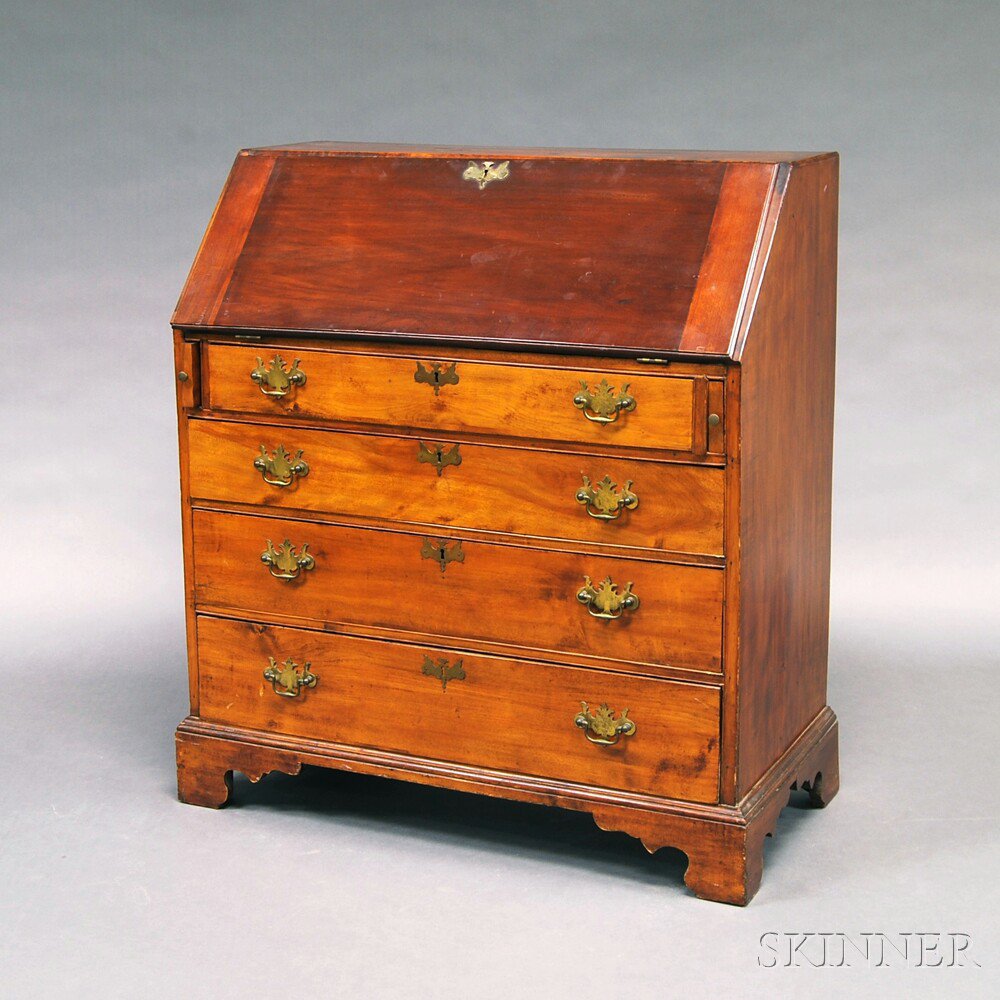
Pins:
<point x="288" y="676"/>
<point x="281" y="467"/>
<point x="443" y="670"/>
<point x="604" y="600"/>
<point x="654" y="361"/>
<point x="604" y="404"/>
<point x="284" y="563"/>
<point x="486" y="172"/>
<point x="443" y="551"/>
<point x="714" y="420"/>
<point x="437" y="456"/>
<point x="182" y="376"/>
<point x="273" y="378"/>
<point x="604" y="501"/>
<point x="437" y="375"/>
<point x="602" y="727"/>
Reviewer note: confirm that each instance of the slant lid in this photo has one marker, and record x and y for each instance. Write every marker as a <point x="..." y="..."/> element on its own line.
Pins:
<point x="626" y="253"/>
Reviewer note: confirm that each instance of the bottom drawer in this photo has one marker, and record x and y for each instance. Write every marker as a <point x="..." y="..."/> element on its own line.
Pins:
<point x="510" y="715"/>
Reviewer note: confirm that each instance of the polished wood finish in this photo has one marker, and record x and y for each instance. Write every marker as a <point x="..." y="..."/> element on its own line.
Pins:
<point x="706" y="283"/>
<point x="724" y="844"/>
<point x="378" y="477"/>
<point x="501" y="714"/>
<point x="786" y="395"/>
<point x="522" y="598"/>
<point x="489" y="398"/>
<point x="566" y="252"/>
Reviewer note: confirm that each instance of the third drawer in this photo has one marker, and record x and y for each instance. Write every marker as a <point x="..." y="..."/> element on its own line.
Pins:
<point x="514" y="596"/>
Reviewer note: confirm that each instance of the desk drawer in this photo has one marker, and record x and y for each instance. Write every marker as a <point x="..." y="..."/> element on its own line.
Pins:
<point x="511" y="595"/>
<point x="541" y="403"/>
<point x="477" y="710"/>
<point x="492" y="488"/>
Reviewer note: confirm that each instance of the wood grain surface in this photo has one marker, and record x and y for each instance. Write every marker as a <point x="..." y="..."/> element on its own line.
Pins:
<point x="533" y="402"/>
<point x="521" y="597"/>
<point x="503" y="713"/>
<point x="496" y="488"/>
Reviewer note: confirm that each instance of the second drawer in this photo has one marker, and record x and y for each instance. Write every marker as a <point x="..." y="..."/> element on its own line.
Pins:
<point x="593" y="498"/>
<point x="515" y="596"/>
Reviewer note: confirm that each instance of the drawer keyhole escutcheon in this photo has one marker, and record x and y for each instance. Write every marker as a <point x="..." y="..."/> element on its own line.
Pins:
<point x="437" y="375"/>
<point x="443" y="670"/>
<point x="284" y="563"/>
<point x="280" y="469"/>
<point x="288" y="678"/>
<point x="486" y="171"/>
<point x="274" y="379"/>
<point x="442" y="551"/>
<point x="601" y="727"/>
<point x="605" y="600"/>
<point x="605" y="404"/>
<point x="604" y="501"/>
<point x="438" y="456"/>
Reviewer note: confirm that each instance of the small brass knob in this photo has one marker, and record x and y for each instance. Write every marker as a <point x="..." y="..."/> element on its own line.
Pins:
<point x="714" y="420"/>
<point x="182" y="376"/>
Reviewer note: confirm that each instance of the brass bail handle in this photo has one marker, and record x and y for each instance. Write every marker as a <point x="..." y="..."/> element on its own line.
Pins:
<point x="604" y="501"/>
<point x="290" y="676"/>
<point x="601" y="727"/>
<point x="605" y="600"/>
<point x="605" y="404"/>
<point x="274" y="379"/>
<point x="280" y="469"/>
<point x="284" y="563"/>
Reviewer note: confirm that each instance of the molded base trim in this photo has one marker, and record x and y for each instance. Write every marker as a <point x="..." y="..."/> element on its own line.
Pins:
<point x="724" y="844"/>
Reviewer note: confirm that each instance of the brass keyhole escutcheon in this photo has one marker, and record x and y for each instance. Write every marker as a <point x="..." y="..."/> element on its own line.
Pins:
<point x="438" y="455"/>
<point x="442" y="551"/>
<point x="437" y="375"/>
<point x="486" y="171"/>
<point x="443" y="670"/>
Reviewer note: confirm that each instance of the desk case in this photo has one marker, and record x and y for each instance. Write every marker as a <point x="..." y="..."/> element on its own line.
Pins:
<point x="509" y="472"/>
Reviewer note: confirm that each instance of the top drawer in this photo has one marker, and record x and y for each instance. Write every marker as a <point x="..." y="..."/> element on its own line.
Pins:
<point x="583" y="405"/>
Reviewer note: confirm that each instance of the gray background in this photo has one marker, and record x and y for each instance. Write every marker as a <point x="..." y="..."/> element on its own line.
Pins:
<point x="119" y="123"/>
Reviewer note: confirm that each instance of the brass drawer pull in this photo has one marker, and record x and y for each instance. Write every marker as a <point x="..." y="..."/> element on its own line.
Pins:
<point x="436" y="455"/>
<point x="437" y="375"/>
<point x="288" y="676"/>
<point x="274" y="379"/>
<point x="442" y="551"/>
<point x="280" y="469"/>
<point x="605" y="600"/>
<point x="605" y="501"/>
<point x="602" y="727"/>
<point x="605" y="404"/>
<point x="284" y="563"/>
<point x="443" y="670"/>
